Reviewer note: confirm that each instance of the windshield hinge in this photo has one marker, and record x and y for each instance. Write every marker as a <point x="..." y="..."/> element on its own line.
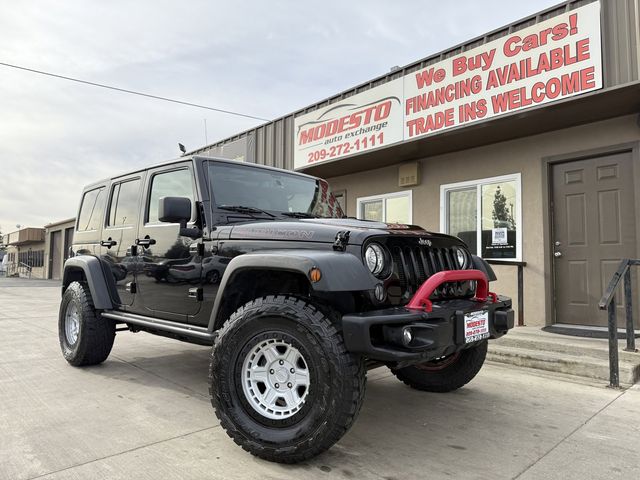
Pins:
<point x="341" y="241"/>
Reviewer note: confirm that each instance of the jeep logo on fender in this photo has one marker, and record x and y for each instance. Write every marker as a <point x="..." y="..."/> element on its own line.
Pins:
<point x="425" y="242"/>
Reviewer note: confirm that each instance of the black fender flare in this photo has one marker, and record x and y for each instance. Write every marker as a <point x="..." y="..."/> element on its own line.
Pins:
<point x="94" y="276"/>
<point x="341" y="271"/>
<point x="482" y="265"/>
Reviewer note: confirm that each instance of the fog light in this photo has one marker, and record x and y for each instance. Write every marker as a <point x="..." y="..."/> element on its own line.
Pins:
<point x="379" y="292"/>
<point x="407" y="336"/>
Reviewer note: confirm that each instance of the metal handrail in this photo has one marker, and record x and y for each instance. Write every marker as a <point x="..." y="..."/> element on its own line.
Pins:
<point x="608" y="302"/>
<point x="17" y="267"/>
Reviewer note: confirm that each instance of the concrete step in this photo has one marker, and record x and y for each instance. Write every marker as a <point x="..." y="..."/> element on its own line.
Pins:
<point x="597" y="348"/>
<point x="570" y="364"/>
<point x="585" y="357"/>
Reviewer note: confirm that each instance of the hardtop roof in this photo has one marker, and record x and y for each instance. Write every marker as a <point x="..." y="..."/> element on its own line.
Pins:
<point x="190" y="158"/>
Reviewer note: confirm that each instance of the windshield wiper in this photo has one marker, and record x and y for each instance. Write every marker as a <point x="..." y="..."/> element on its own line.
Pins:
<point x="300" y="215"/>
<point x="243" y="209"/>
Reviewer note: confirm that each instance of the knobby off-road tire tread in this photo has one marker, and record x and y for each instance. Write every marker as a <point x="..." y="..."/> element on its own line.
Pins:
<point x="449" y="378"/>
<point x="324" y="324"/>
<point x="96" y="334"/>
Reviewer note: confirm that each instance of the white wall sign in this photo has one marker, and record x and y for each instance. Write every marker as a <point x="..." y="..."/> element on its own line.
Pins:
<point x="554" y="59"/>
<point x="362" y="122"/>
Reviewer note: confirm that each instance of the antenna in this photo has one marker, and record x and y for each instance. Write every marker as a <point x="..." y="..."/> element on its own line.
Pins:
<point x="206" y="141"/>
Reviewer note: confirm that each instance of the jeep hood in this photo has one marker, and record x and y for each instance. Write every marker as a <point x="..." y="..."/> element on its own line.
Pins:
<point x="323" y="230"/>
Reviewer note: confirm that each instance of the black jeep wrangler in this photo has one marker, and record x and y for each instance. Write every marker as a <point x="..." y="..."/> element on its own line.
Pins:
<point x="297" y="300"/>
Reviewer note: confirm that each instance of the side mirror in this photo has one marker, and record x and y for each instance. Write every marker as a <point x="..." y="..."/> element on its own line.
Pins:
<point x="174" y="210"/>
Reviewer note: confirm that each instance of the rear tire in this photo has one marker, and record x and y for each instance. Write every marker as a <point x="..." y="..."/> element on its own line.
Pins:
<point x="85" y="338"/>
<point x="447" y="374"/>
<point x="281" y="381"/>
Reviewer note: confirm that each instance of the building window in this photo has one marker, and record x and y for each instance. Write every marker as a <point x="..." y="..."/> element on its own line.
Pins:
<point x="32" y="258"/>
<point x="486" y="215"/>
<point x="391" y="207"/>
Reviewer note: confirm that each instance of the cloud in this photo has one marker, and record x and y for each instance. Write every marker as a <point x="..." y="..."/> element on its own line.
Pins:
<point x="261" y="58"/>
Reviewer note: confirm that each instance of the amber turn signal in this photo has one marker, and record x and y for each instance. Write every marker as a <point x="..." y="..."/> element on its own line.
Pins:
<point x="315" y="274"/>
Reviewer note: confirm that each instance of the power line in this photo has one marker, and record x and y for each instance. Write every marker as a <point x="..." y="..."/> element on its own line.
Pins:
<point x="132" y="92"/>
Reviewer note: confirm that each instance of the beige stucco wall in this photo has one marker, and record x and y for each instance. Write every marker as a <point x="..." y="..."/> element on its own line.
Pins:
<point x="523" y="156"/>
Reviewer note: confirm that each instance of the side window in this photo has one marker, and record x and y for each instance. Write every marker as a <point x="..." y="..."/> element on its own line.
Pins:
<point x="92" y="210"/>
<point x="176" y="183"/>
<point x="123" y="206"/>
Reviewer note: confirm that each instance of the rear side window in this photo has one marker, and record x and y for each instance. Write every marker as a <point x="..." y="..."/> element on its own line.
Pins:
<point x="123" y="206"/>
<point x="176" y="183"/>
<point x="92" y="210"/>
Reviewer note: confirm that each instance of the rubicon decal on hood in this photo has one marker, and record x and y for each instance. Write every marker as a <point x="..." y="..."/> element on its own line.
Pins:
<point x="280" y="233"/>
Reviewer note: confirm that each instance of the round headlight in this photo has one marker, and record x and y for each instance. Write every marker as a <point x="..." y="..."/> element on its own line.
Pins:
<point x="374" y="258"/>
<point x="461" y="258"/>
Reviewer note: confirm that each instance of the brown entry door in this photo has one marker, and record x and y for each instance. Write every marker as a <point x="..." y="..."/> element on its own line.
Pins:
<point x="56" y="255"/>
<point x="593" y="229"/>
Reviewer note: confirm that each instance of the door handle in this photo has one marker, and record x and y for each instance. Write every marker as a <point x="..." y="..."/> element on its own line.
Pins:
<point x="557" y="254"/>
<point x="145" y="242"/>
<point x="108" y="243"/>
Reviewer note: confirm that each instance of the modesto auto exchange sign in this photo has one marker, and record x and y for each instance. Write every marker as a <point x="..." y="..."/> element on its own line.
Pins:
<point x="554" y="59"/>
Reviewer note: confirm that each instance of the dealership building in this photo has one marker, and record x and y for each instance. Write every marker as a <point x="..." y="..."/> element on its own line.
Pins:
<point x="524" y="142"/>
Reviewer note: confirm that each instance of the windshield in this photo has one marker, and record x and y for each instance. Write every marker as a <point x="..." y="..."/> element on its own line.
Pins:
<point x="243" y="186"/>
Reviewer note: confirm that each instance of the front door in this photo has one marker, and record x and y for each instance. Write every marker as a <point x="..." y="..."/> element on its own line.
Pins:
<point x="170" y="268"/>
<point x="593" y="229"/>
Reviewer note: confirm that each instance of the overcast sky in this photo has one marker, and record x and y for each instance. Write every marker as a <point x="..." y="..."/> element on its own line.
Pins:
<point x="263" y="58"/>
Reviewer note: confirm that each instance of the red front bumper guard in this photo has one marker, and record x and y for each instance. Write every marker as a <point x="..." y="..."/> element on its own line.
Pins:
<point x="420" y="301"/>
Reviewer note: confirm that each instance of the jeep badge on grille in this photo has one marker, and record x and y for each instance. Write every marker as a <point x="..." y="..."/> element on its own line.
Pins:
<point x="424" y="241"/>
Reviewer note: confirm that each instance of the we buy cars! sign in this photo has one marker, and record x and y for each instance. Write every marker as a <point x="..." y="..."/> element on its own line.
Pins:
<point x="554" y="59"/>
<point x="551" y="60"/>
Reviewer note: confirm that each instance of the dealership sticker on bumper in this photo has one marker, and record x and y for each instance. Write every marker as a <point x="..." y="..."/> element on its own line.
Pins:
<point x="476" y="326"/>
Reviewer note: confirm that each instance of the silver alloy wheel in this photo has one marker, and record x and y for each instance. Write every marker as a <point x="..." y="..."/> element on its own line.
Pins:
<point x="71" y="323"/>
<point x="275" y="379"/>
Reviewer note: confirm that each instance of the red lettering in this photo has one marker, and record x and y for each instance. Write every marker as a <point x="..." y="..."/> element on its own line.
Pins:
<point x="559" y="32"/>
<point x="375" y="113"/>
<point x="459" y="65"/>
<point x="431" y="122"/>
<point x="582" y="50"/>
<point x="426" y="77"/>
<point x="537" y="92"/>
<point x="510" y="47"/>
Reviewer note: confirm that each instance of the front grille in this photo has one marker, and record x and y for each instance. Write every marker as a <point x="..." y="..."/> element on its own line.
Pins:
<point x="414" y="264"/>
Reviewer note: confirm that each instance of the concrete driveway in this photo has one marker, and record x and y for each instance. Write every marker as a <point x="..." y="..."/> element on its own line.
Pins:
<point x="145" y="414"/>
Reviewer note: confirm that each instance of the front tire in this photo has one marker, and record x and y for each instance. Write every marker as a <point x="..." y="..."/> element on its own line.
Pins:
<point x="281" y="381"/>
<point x="447" y="374"/>
<point x="85" y="338"/>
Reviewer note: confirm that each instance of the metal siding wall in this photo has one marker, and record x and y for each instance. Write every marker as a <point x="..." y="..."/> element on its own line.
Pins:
<point x="269" y="144"/>
<point x="288" y="142"/>
<point x="621" y="64"/>
<point x="620" y="41"/>
<point x="278" y="159"/>
<point x="260" y="146"/>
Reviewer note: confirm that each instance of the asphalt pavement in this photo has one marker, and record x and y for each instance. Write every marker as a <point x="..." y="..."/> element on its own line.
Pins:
<point x="145" y="414"/>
